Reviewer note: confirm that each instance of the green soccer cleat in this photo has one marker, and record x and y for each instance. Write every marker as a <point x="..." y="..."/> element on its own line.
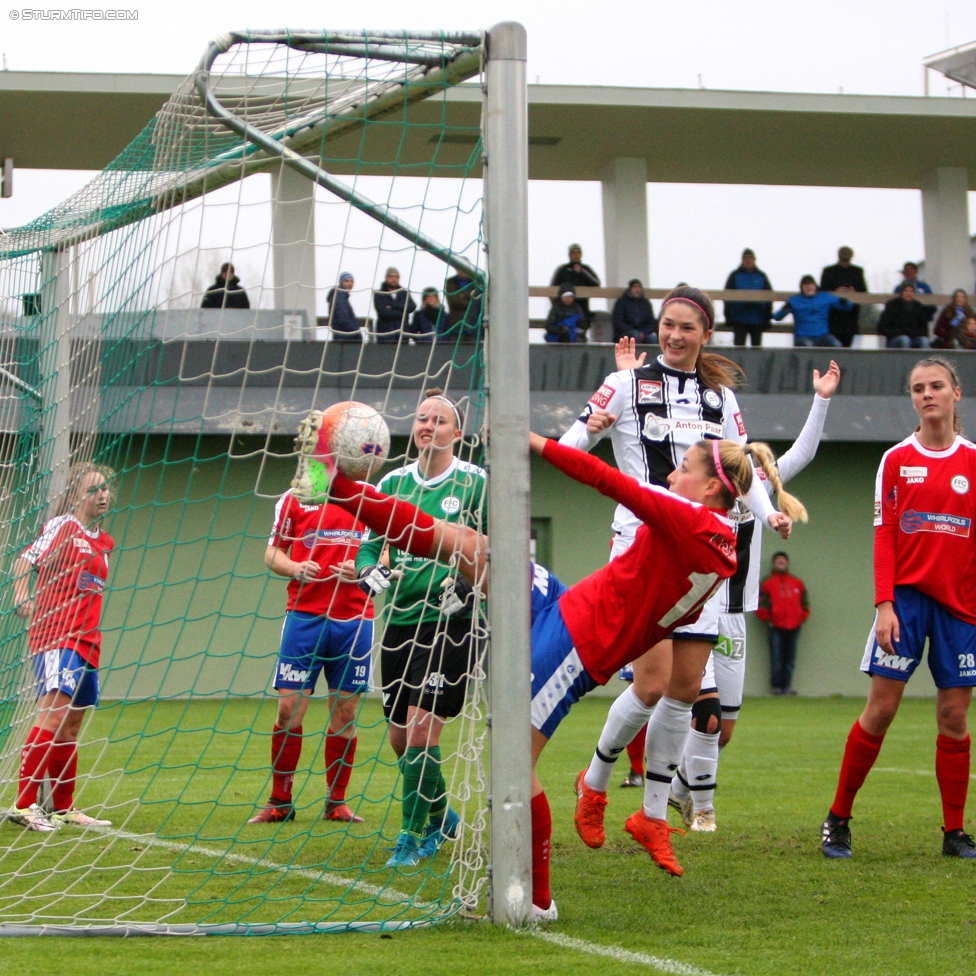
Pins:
<point x="406" y="854"/>
<point x="312" y="478"/>
<point x="76" y="818"/>
<point x="435" y="834"/>
<point x="32" y="818"/>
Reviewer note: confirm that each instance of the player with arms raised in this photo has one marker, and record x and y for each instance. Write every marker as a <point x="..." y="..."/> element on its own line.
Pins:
<point x="925" y="587"/>
<point x="70" y="558"/>
<point x="328" y="626"/>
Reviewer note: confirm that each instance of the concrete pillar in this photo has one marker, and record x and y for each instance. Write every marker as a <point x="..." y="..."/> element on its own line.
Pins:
<point x="945" y="219"/>
<point x="293" y="242"/>
<point x="624" y="185"/>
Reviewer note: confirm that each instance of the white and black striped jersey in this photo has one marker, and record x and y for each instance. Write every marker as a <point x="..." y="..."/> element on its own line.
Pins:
<point x="743" y="588"/>
<point x="660" y="413"/>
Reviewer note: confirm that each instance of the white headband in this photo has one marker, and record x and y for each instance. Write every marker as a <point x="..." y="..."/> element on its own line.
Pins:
<point x="452" y="405"/>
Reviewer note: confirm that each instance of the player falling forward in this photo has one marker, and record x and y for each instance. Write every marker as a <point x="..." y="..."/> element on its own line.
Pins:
<point x="583" y="634"/>
<point x="328" y="627"/>
<point x="924" y="572"/>
<point x="653" y="413"/>
<point x="70" y="557"/>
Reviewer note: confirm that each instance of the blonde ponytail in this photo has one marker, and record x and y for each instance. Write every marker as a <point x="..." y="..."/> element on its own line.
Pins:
<point x="788" y="504"/>
<point x="738" y="467"/>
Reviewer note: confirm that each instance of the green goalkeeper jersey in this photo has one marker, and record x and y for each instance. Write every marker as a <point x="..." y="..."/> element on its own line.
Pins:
<point x="460" y="495"/>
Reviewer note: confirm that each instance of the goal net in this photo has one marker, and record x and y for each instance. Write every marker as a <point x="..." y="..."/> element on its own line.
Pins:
<point x="294" y="168"/>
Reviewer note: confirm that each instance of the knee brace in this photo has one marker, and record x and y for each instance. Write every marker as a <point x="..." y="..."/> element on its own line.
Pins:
<point x="702" y="712"/>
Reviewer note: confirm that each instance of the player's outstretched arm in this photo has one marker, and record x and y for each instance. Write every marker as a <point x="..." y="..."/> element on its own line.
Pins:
<point x="624" y="354"/>
<point x="804" y="448"/>
<point x="406" y="527"/>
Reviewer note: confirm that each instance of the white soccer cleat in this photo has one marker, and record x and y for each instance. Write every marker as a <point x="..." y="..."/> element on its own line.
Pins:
<point x="33" y="818"/>
<point x="703" y="822"/>
<point x="77" y="819"/>
<point x="685" y="806"/>
<point x="550" y="914"/>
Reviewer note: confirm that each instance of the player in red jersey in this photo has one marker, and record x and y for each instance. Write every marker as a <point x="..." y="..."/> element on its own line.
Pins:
<point x="70" y="558"/>
<point x="581" y="635"/>
<point x="925" y="587"/>
<point x="328" y="626"/>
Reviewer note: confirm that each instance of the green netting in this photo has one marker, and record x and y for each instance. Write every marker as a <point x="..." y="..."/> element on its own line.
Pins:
<point x="105" y="355"/>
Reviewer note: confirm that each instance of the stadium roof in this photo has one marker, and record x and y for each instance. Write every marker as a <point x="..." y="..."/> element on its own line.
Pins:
<point x="958" y="64"/>
<point x="55" y="120"/>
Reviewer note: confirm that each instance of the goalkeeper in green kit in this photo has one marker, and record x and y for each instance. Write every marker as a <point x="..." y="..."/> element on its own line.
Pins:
<point x="429" y="645"/>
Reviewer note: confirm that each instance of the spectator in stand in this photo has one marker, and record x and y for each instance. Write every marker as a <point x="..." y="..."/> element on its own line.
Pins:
<point x="844" y="277"/>
<point x="430" y="319"/>
<point x="226" y="291"/>
<point x="633" y="315"/>
<point x="748" y="318"/>
<point x="460" y="291"/>
<point x="950" y="319"/>
<point x="393" y="305"/>
<point x="574" y="272"/>
<point x="811" y="311"/>
<point x="910" y="273"/>
<point x="342" y="319"/>
<point x="466" y="327"/>
<point x="905" y="321"/>
<point x="783" y="604"/>
<point x="567" y="320"/>
<point x="966" y="333"/>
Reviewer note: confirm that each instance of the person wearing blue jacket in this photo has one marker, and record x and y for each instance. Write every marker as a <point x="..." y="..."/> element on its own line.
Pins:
<point x="748" y="318"/>
<point x="811" y="314"/>
<point x="430" y="319"/>
<point x="342" y="319"/>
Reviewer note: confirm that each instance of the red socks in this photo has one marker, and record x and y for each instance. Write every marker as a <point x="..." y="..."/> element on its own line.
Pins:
<point x="33" y="760"/>
<point x="62" y="769"/>
<point x="286" y="750"/>
<point x="403" y="524"/>
<point x="340" y="754"/>
<point x="859" y="756"/>
<point x="952" y="772"/>
<point x="635" y="751"/>
<point x="541" y="839"/>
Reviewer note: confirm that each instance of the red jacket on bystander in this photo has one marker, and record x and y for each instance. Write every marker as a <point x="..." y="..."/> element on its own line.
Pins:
<point x="783" y="601"/>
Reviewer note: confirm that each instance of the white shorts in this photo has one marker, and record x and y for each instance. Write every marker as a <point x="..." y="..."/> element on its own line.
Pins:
<point x="706" y="626"/>
<point x="726" y="668"/>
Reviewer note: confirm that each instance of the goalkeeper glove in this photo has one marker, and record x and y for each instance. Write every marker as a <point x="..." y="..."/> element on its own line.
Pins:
<point x="456" y="595"/>
<point x="374" y="580"/>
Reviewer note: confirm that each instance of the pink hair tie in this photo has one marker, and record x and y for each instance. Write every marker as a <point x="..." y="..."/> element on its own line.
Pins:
<point x="681" y="298"/>
<point x="723" y="477"/>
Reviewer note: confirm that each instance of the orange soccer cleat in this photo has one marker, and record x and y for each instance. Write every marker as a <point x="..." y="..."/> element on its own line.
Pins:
<point x="340" y="812"/>
<point x="590" y="805"/>
<point x="273" y="812"/>
<point x="655" y="837"/>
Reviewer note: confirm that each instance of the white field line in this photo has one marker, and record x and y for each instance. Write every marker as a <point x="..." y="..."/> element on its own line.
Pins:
<point x="151" y="840"/>
<point x="909" y="772"/>
<point x="670" y="966"/>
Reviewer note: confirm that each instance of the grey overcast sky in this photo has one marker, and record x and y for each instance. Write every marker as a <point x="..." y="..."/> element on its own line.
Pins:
<point x="861" y="46"/>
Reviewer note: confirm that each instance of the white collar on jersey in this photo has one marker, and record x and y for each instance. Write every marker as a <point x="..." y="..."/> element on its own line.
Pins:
<point x="928" y="452"/>
<point x="672" y="369"/>
<point x="414" y="468"/>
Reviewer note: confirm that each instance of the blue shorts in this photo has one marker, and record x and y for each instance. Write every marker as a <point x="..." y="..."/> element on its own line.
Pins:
<point x="311" y="644"/>
<point x="64" y="669"/>
<point x="559" y="679"/>
<point x="952" y="643"/>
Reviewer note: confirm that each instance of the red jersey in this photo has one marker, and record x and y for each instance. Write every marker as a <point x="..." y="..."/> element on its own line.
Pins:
<point x="72" y="565"/>
<point x="924" y="506"/>
<point x="329" y="535"/>
<point x="680" y="555"/>
<point x="783" y="601"/>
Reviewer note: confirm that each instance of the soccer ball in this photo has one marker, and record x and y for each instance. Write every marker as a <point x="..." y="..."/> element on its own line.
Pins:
<point x="356" y="436"/>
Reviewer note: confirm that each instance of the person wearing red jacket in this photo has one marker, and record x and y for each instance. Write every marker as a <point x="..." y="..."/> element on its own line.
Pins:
<point x="783" y="604"/>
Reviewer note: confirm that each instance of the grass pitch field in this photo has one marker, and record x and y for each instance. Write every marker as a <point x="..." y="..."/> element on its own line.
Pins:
<point x="757" y="896"/>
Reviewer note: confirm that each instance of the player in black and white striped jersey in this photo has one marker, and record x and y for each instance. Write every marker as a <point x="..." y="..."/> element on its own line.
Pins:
<point x="653" y="413"/>
<point x="693" y="787"/>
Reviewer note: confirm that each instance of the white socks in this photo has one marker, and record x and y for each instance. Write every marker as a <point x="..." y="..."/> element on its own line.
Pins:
<point x="698" y="769"/>
<point x="667" y="732"/>
<point x="626" y="717"/>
